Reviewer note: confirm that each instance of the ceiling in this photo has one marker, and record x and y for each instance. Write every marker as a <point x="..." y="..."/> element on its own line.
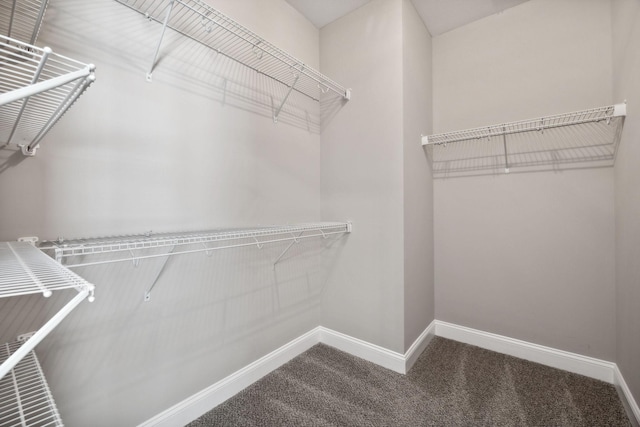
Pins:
<point x="439" y="16"/>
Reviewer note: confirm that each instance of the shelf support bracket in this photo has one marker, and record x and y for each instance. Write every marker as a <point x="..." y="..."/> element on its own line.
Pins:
<point x="277" y="113"/>
<point x="164" y="27"/>
<point x="506" y="155"/>
<point x="147" y="294"/>
<point x="294" y="241"/>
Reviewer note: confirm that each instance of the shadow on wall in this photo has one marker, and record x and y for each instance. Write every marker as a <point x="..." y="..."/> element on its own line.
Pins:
<point x="10" y="157"/>
<point x="208" y="316"/>
<point x="122" y="36"/>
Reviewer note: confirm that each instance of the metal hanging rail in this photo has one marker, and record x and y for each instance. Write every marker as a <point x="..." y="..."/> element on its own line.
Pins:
<point x="200" y="22"/>
<point x="206" y="241"/>
<point x="25" y="270"/>
<point x="37" y="87"/>
<point x="22" y="19"/>
<point x="583" y="136"/>
<point x="25" y="398"/>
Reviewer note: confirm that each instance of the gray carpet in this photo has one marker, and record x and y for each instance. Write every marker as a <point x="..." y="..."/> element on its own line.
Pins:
<point x="451" y="384"/>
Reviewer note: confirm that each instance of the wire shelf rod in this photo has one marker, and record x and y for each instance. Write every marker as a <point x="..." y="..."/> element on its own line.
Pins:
<point x="23" y="19"/>
<point x="37" y="88"/>
<point x="531" y="125"/>
<point x="24" y="269"/>
<point x="256" y="237"/>
<point x="202" y="23"/>
<point x="259" y="244"/>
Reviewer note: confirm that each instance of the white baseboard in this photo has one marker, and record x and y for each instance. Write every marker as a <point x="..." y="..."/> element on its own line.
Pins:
<point x="364" y="350"/>
<point x="418" y="346"/>
<point x="207" y="399"/>
<point x="572" y="362"/>
<point x="630" y="404"/>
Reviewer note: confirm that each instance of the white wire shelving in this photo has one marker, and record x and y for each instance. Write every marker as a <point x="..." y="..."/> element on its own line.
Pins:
<point x="25" y="270"/>
<point x="586" y="138"/>
<point x="205" y="25"/>
<point x="21" y="19"/>
<point x="79" y="252"/>
<point x="37" y="87"/>
<point x="192" y="242"/>
<point x="25" y="398"/>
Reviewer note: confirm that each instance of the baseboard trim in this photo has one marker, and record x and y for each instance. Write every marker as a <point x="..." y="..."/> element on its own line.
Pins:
<point x="572" y="362"/>
<point x="207" y="399"/>
<point x="630" y="405"/>
<point x="363" y="349"/>
<point x="418" y="346"/>
<point x="203" y="401"/>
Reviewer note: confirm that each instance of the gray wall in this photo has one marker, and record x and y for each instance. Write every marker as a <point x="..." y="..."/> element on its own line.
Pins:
<point x="529" y="256"/>
<point x="375" y="173"/>
<point x="177" y="154"/>
<point x="626" y="48"/>
<point x="362" y="174"/>
<point x="418" y="185"/>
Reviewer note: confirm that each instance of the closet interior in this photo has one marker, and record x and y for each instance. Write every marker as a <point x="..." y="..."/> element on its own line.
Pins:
<point x="193" y="187"/>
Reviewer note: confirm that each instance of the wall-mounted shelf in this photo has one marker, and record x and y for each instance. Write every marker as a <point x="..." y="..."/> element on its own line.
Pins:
<point x="25" y="398"/>
<point x="200" y="22"/>
<point x="37" y="87"/>
<point x="22" y="19"/>
<point x="205" y="241"/>
<point x="74" y="253"/>
<point x="25" y="270"/>
<point x="587" y="138"/>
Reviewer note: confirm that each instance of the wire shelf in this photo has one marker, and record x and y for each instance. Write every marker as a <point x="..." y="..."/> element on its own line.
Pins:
<point x="204" y="241"/>
<point x="25" y="398"/>
<point x="37" y="87"/>
<point x="22" y="19"/>
<point x="24" y="269"/>
<point x="587" y="138"/>
<point x="200" y="22"/>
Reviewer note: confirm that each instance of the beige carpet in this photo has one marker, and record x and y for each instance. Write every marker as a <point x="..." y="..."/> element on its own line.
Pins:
<point x="451" y="384"/>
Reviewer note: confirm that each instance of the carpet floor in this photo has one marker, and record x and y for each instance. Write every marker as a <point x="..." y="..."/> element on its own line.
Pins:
<point x="451" y="384"/>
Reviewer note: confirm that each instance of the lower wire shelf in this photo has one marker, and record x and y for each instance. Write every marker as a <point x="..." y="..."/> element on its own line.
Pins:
<point x="25" y="398"/>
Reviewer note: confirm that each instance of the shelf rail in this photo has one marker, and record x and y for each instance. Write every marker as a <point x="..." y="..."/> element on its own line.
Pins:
<point x="25" y="397"/>
<point x="205" y="25"/>
<point x="37" y="87"/>
<point x="590" y="135"/>
<point x="206" y="241"/>
<point x="22" y="19"/>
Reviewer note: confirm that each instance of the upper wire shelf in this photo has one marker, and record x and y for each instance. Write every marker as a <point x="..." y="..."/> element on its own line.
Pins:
<point x="37" y="87"/>
<point x="586" y="138"/>
<point x="22" y="19"/>
<point x="25" y="269"/>
<point x="205" y="241"/>
<point x="25" y="397"/>
<point x="200" y="22"/>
